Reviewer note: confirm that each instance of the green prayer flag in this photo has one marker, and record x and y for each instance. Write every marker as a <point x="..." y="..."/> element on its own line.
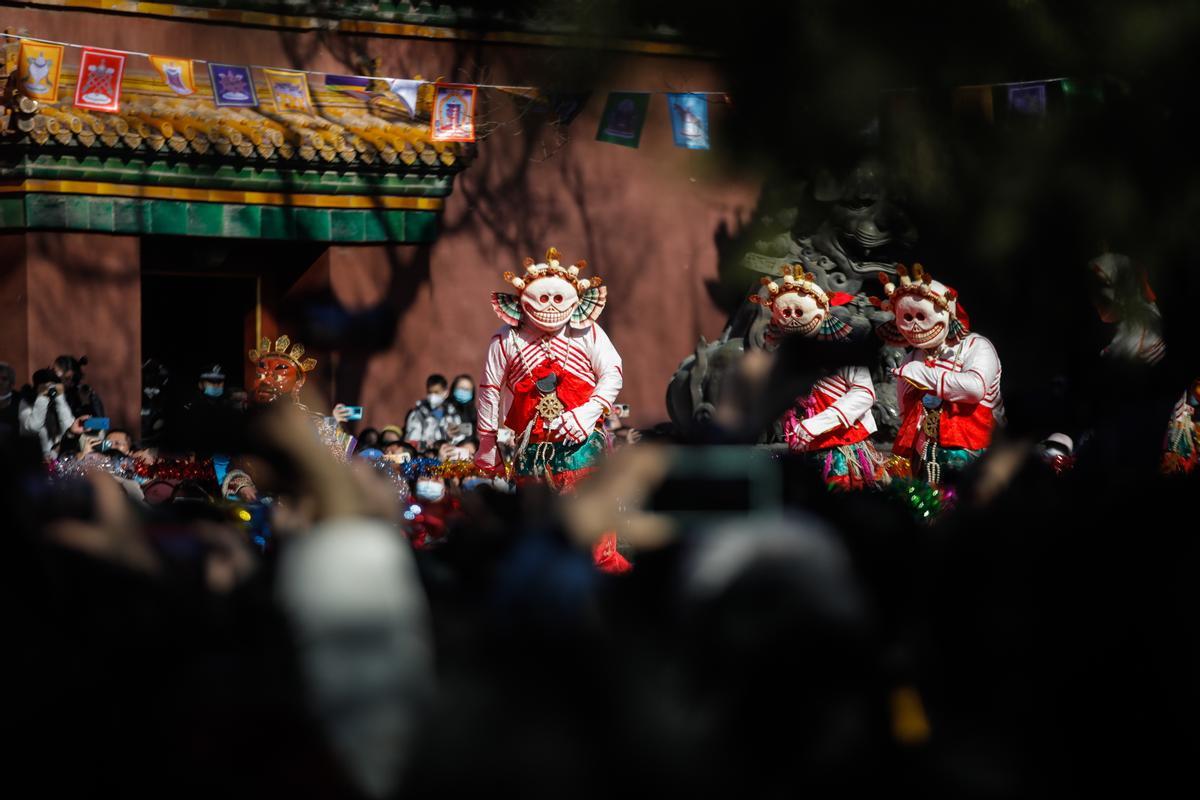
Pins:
<point x="623" y="118"/>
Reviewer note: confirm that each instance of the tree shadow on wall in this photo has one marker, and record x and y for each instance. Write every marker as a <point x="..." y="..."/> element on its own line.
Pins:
<point x="500" y="192"/>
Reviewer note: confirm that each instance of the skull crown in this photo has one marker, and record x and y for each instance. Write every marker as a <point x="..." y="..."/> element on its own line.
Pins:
<point x="794" y="281"/>
<point x="552" y="267"/>
<point x="921" y="284"/>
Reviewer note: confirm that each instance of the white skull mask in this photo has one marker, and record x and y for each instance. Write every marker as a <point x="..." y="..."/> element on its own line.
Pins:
<point x="549" y="302"/>
<point x="921" y="322"/>
<point x="796" y="312"/>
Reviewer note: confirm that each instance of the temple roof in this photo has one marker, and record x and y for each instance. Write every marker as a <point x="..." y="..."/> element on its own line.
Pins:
<point x="361" y="168"/>
<point x="360" y="131"/>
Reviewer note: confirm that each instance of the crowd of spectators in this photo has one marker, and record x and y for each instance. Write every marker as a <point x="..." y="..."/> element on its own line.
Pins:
<point x="319" y="633"/>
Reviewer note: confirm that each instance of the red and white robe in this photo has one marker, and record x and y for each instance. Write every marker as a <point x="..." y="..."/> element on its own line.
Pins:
<point x="589" y="379"/>
<point x="966" y="376"/>
<point x="837" y="412"/>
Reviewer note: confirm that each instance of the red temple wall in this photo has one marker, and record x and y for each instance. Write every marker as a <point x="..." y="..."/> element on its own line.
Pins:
<point x="646" y="219"/>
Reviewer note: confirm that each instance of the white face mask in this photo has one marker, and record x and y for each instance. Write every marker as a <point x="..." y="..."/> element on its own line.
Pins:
<point x="431" y="491"/>
<point x="436" y="399"/>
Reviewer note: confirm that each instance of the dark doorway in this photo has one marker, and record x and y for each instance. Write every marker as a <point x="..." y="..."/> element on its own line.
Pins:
<point x="205" y="301"/>
<point x="192" y="321"/>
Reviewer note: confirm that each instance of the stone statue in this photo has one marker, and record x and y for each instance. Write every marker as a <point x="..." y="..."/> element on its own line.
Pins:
<point x="844" y="231"/>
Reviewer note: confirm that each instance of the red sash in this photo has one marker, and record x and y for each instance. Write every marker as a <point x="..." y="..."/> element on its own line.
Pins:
<point x="965" y="425"/>
<point x="571" y="390"/>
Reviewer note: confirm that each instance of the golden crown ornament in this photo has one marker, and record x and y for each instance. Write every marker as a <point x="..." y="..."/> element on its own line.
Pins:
<point x="283" y="348"/>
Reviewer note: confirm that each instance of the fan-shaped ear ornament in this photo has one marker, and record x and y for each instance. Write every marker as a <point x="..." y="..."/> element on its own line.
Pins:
<point x="591" y="303"/>
<point x="759" y="300"/>
<point x="507" y="308"/>
<point x="833" y="329"/>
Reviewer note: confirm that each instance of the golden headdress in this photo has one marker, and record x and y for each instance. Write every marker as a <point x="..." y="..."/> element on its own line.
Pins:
<point x="281" y="349"/>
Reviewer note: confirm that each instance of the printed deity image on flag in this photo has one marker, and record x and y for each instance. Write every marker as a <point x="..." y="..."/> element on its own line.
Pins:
<point x="623" y="118"/>
<point x="689" y="120"/>
<point x="232" y="85"/>
<point x="289" y="90"/>
<point x="177" y="73"/>
<point x="99" y="83"/>
<point x="38" y="67"/>
<point x="454" y="113"/>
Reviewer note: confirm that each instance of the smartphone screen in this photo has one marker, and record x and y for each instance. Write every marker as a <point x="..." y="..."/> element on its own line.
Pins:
<point x="97" y="424"/>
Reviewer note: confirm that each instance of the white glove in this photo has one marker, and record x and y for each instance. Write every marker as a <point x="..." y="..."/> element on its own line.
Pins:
<point x="487" y="457"/>
<point x="569" y="426"/>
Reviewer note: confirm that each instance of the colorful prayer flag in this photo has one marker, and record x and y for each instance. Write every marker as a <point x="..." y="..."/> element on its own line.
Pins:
<point x="177" y="73"/>
<point x="1028" y="99"/>
<point x="689" y="120"/>
<point x="232" y="85"/>
<point x="347" y="83"/>
<point x="623" y="118"/>
<point x="98" y="86"/>
<point x="453" y="113"/>
<point x="38" y="68"/>
<point x="406" y="90"/>
<point x="289" y="90"/>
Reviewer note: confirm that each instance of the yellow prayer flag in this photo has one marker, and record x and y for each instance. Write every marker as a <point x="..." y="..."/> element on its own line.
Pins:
<point x="176" y="73"/>
<point x="289" y="90"/>
<point x="38" y="67"/>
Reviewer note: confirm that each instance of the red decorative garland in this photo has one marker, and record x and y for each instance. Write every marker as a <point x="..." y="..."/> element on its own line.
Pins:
<point x="173" y="469"/>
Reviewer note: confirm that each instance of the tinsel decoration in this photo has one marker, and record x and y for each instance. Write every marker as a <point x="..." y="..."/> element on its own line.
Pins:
<point x="393" y="476"/>
<point x="898" y="467"/>
<point x="456" y="469"/>
<point x="174" y="469"/>
<point x="68" y="468"/>
<point x="418" y="467"/>
<point x="923" y="501"/>
<point x="422" y="467"/>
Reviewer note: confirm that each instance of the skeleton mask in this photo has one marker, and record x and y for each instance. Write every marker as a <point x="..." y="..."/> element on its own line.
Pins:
<point x="921" y="323"/>
<point x="797" y="313"/>
<point x="548" y="303"/>
<point x="926" y="311"/>
<point x="551" y="296"/>
<point x="280" y="372"/>
<point x="799" y="306"/>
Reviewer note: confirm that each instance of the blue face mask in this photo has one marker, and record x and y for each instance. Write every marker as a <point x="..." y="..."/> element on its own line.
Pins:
<point x="463" y="395"/>
<point x="214" y="391"/>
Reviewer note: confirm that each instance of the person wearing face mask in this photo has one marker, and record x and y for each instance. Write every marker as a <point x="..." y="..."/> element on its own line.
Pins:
<point x="437" y="504"/>
<point x="433" y="416"/>
<point x="462" y="397"/>
<point x="208" y="414"/>
<point x="9" y="402"/>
